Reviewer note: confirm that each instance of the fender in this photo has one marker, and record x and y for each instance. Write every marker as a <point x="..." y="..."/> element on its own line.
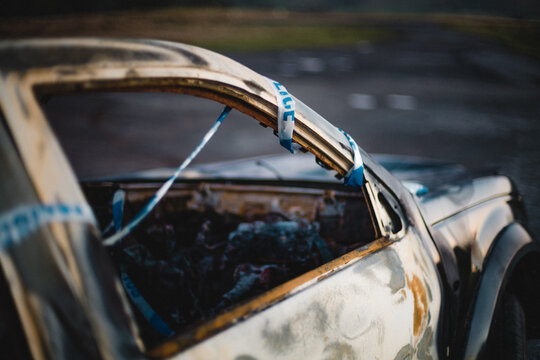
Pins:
<point x="509" y="247"/>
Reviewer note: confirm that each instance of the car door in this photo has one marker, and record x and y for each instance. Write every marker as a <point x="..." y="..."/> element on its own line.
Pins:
<point x="381" y="300"/>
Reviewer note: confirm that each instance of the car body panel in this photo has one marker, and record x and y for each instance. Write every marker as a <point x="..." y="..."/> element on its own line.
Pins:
<point x="145" y="65"/>
<point x="382" y="306"/>
<point x="76" y="297"/>
<point x="394" y="298"/>
<point x="300" y="168"/>
<point x="89" y="64"/>
<point x="466" y="236"/>
<point x="512" y="243"/>
<point x="450" y="200"/>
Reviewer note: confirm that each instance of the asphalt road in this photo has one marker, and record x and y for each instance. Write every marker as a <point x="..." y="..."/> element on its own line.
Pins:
<point x="432" y="92"/>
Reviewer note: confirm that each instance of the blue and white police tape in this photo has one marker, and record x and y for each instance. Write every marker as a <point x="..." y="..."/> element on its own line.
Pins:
<point x="355" y="175"/>
<point x="145" y="308"/>
<point x="117" y="212"/>
<point x="167" y="185"/>
<point x="22" y="221"/>
<point x="118" y="209"/>
<point x="285" y="115"/>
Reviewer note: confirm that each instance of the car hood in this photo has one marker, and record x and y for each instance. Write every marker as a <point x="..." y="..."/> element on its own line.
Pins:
<point x="302" y="167"/>
<point x="444" y="189"/>
<point x="441" y="188"/>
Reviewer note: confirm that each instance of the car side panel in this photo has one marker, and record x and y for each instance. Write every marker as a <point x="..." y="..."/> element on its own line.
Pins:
<point x="510" y="246"/>
<point x="384" y="306"/>
<point x="59" y="274"/>
<point x="466" y="241"/>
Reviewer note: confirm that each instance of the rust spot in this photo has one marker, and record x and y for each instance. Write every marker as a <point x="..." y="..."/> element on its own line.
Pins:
<point x="254" y="86"/>
<point x="66" y="72"/>
<point x="402" y="296"/>
<point x="245" y="357"/>
<point x="420" y="302"/>
<point x="325" y="275"/>
<point x="279" y="340"/>
<point x="319" y="315"/>
<point x="337" y="350"/>
<point x="191" y="56"/>
<point x="405" y="353"/>
<point x="424" y="346"/>
<point x="429" y="293"/>
<point x="21" y="58"/>
<point x="132" y="73"/>
<point x="393" y="262"/>
<point x="194" y="58"/>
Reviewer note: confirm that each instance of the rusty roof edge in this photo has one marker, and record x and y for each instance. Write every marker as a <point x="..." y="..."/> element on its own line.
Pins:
<point x="90" y="60"/>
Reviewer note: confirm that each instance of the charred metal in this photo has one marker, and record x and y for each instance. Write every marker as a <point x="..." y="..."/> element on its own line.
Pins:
<point x="209" y="247"/>
<point x="252" y="268"/>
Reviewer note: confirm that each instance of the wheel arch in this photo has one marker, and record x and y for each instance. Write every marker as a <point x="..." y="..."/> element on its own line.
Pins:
<point x="513" y="260"/>
<point x="526" y="272"/>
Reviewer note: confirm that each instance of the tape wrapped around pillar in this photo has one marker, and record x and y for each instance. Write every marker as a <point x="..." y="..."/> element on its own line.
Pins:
<point x="355" y="175"/>
<point x="22" y="221"/>
<point x="285" y="115"/>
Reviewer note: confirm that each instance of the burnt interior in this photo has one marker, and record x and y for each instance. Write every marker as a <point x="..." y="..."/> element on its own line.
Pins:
<point x="208" y="247"/>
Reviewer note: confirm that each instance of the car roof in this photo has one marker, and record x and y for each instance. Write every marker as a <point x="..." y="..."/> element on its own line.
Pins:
<point x="80" y="64"/>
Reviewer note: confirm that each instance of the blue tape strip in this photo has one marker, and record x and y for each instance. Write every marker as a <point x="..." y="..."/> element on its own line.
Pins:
<point x="415" y="188"/>
<point x="153" y="318"/>
<point x="117" y="212"/>
<point x="22" y="221"/>
<point x="167" y="185"/>
<point x="145" y="308"/>
<point x="118" y="209"/>
<point x="355" y="176"/>
<point x="285" y="115"/>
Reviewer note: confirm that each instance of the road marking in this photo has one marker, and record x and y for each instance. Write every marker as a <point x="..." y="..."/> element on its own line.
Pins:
<point x="311" y="64"/>
<point x="401" y="102"/>
<point x="362" y="101"/>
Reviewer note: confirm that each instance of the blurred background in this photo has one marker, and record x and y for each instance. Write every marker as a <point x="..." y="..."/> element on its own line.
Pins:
<point x="446" y="79"/>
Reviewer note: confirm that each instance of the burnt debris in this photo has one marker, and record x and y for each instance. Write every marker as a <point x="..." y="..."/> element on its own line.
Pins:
<point x="194" y="264"/>
<point x="191" y="260"/>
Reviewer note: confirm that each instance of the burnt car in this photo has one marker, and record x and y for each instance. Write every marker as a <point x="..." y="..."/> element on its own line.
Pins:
<point x="242" y="259"/>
